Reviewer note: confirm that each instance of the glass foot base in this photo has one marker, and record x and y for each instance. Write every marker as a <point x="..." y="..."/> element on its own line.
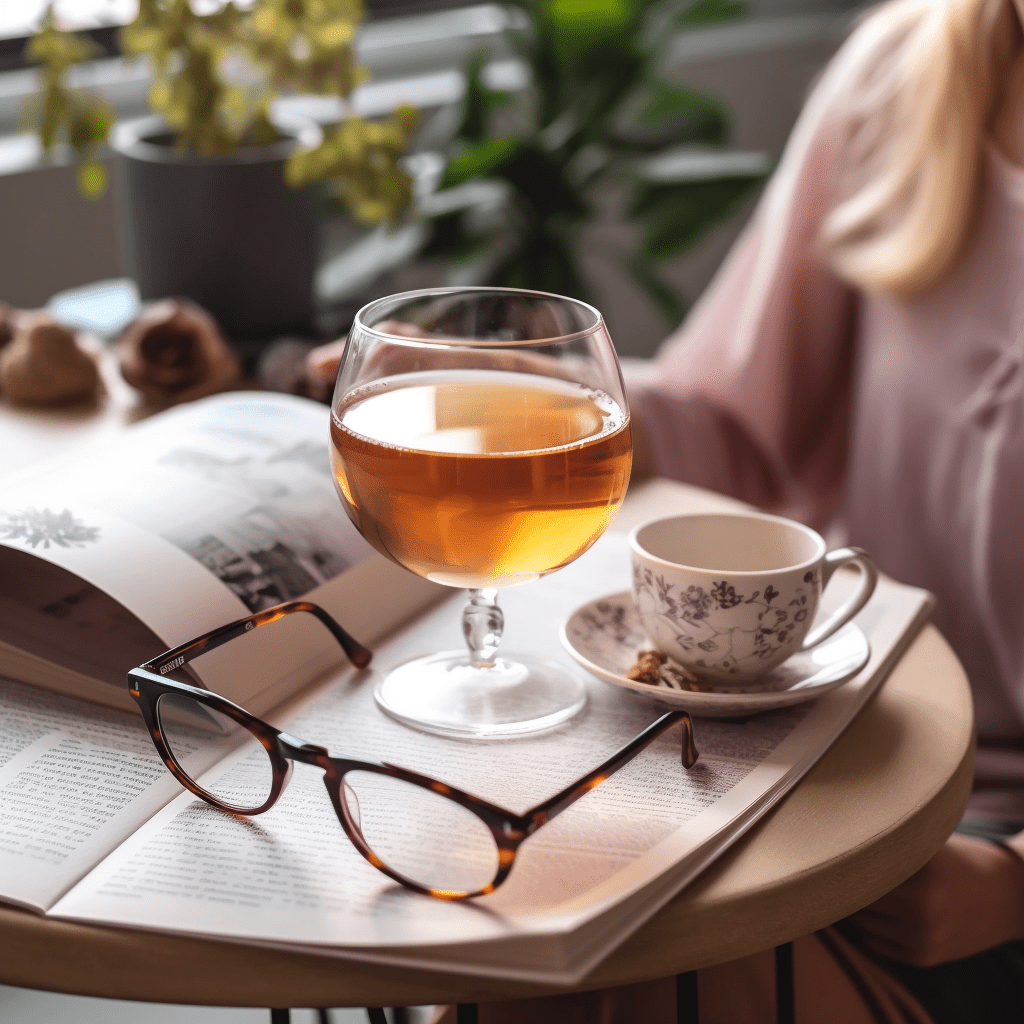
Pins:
<point x="445" y="694"/>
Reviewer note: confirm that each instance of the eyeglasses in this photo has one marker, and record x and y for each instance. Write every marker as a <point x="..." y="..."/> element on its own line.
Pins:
<point x="428" y="836"/>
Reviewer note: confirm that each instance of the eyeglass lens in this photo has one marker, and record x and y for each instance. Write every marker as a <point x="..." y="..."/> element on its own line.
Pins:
<point x="190" y="728"/>
<point x="427" y="838"/>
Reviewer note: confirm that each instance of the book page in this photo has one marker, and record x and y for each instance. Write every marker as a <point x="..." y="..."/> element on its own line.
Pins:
<point x="239" y="483"/>
<point x="191" y="519"/>
<point x="291" y="875"/>
<point x="75" y="781"/>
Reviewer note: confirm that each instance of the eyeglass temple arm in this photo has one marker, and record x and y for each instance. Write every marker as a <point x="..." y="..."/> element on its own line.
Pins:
<point x="553" y="806"/>
<point x="358" y="654"/>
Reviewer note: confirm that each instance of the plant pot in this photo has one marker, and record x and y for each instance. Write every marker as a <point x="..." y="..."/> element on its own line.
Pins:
<point x="226" y="232"/>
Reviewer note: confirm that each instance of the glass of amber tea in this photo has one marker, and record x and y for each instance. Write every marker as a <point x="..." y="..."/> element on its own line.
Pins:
<point x="480" y="438"/>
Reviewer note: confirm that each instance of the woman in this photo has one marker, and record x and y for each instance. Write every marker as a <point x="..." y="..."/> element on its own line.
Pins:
<point x="859" y="361"/>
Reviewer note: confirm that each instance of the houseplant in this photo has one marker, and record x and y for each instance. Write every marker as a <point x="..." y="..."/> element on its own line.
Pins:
<point x="604" y="130"/>
<point x="218" y="195"/>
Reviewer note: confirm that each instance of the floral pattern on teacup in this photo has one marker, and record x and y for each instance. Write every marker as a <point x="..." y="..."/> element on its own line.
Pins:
<point x="705" y="620"/>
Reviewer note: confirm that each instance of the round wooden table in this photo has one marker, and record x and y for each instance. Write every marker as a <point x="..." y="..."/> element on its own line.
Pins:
<point x="880" y="802"/>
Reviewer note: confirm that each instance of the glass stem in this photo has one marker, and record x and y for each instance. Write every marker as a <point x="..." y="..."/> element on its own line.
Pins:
<point x="482" y="625"/>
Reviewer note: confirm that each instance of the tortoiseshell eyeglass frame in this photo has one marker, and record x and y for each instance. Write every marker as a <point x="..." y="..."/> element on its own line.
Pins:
<point x="149" y="682"/>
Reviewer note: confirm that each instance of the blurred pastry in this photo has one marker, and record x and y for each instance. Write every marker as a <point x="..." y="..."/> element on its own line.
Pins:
<point x="174" y="352"/>
<point x="43" y="364"/>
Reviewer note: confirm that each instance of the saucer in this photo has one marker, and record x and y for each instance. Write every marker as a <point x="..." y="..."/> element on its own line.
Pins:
<point x="605" y="637"/>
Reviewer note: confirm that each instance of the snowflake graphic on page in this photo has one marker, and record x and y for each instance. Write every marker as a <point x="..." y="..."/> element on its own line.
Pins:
<point x="42" y="526"/>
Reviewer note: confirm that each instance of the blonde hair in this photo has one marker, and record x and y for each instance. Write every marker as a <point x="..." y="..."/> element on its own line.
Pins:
<point x="925" y="81"/>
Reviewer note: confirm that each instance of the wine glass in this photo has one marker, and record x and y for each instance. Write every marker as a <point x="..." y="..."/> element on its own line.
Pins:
<point x="480" y="438"/>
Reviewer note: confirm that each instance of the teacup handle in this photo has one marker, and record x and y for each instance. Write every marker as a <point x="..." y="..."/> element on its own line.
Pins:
<point x="853" y="604"/>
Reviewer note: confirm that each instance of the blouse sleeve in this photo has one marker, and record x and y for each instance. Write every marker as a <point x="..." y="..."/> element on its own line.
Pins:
<point x="751" y="397"/>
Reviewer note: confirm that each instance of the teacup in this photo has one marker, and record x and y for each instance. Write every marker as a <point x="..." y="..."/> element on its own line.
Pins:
<point x="730" y="596"/>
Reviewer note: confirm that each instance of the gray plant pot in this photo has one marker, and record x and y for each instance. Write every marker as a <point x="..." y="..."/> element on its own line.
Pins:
<point x="226" y="232"/>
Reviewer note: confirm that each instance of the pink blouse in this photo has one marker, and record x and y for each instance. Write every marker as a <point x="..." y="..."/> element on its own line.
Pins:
<point x="901" y="420"/>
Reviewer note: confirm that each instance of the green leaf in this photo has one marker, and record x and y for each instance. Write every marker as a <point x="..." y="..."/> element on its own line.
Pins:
<point x="478" y="102"/>
<point x="478" y="161"/>
<point x="55" y="112"/>
<point x="677" y="214"/>
<point x="577" y="27"/>
<point x="542" y="262"/>
<point x="540" y="179"/>
<point x="450" y="239"/>
<point x="669" y="103"/>
<point x="92" y="179"/>
<point x="710" y="12"/>
<point x="56" y="50"/>
<point x="668" y="115"/>
<point x="89" y="121"/>
<point x="361" y="158"/>
<point x="593" y="17"/>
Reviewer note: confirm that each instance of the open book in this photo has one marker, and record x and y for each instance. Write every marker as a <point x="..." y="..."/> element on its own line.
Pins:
<point x="93" y="828"/>
<point x="190" y="520"/>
